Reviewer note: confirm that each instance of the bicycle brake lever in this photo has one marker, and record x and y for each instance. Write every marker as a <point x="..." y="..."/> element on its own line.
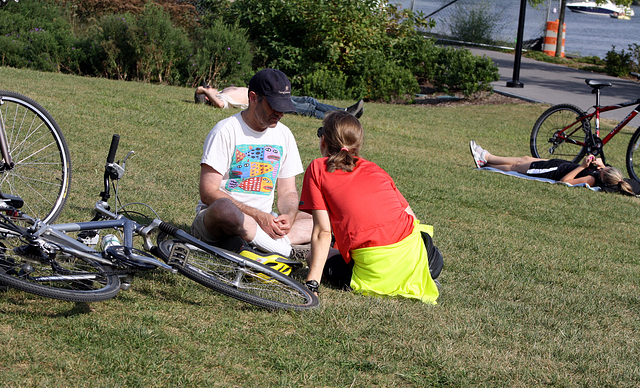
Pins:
<point x="114" y="170"/>
<point x="127" y="157"/>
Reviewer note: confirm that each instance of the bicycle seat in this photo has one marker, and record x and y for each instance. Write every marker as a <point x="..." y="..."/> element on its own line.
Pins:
<point x="595" y="84"/>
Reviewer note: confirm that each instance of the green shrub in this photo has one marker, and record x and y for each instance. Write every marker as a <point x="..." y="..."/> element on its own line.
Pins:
<point x="329" y="48"/>
<point x="326" y="84"/>
<point x="146" y="47"/>
<point x="381" y="79"/>
<point x="114" y="53"/>
<point x="417" y="53"/>
<point x="162" y="48"/>
<point x="634" y="51"/>
<point x="223" y="55"/>
<point x="302" y="37"/>
<point x="36" y="35"/>
<point x="617" y="64"/>
<point x="476" y="23"/>
<point x="459" y="70"/>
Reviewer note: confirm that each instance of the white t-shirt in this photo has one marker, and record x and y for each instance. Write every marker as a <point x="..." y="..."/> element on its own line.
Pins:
<point x="250" y="161"/>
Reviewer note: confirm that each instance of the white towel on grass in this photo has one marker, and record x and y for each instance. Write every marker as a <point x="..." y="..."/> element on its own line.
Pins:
<point x="523" y="176"/>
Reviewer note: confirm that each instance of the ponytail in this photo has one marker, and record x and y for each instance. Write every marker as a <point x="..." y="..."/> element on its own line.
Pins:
<point x="343" y="137"/>
<point x="613" y="180"/>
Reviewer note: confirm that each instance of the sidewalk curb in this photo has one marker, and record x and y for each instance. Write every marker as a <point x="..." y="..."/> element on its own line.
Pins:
<point x="513" y="95"/>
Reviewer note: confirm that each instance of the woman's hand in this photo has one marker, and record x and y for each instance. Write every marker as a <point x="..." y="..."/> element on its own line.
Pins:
<point x="588" y="160"/>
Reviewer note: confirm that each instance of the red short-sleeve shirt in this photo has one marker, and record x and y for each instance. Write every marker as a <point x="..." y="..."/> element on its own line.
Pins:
<point x="365" y="207"/>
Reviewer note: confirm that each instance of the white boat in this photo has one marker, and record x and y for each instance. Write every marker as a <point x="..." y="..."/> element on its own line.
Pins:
<point x="606" y="8"/>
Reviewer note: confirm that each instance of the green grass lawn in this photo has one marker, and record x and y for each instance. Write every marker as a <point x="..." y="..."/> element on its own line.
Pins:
<point x="540" y="286"/>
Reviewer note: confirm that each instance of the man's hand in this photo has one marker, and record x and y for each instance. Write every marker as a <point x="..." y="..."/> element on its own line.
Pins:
<point x="274" y="227"/>
<point x="284" y="223"/>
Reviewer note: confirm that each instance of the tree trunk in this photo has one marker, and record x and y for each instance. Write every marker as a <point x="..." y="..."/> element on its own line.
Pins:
<point x="560" y="35"/>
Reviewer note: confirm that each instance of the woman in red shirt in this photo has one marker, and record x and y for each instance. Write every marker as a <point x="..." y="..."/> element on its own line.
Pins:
<point x="375" y="230"/>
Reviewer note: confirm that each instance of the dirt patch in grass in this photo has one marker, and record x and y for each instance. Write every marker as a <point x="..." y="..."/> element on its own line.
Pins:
<point x="429" y="96"/>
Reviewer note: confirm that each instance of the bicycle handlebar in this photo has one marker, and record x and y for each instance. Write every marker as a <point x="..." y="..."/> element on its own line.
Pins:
<point x="113" y="148"/>
<point x="110" y="169"/>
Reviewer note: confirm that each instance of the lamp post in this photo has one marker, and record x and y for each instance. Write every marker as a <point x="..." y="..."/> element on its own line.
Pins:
<point x="515" y="82"/>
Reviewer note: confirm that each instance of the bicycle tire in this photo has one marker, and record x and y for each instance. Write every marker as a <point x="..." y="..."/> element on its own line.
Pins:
<point x="544" y="141"/>
<point x="250" y="281"/>
<point x="65" y="277"/>
<point x="633" y="164"/>
<point x="42" y="172"/>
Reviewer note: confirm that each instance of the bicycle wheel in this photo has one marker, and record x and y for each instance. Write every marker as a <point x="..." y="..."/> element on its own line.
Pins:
<point x="58" y="275"/>
<point x="633" y="164"/>
<point x="41" y="170"/>
<point x="557" y="135"/>
<point x="245" y="280"/>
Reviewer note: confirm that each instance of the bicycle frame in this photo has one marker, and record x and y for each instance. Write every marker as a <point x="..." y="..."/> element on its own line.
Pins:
<point x="598" y="110"/>
<point x="57" y="233"/>
<point x="621" y="124"/>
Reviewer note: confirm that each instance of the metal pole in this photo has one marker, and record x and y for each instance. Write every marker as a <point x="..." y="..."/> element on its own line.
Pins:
<point x="515" y="82"/>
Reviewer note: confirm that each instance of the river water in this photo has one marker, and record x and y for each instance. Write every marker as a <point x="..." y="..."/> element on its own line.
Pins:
<point x="586" y="35"/>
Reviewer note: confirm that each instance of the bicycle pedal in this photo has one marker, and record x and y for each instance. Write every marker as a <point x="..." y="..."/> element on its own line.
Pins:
<point x="179" y="254"/>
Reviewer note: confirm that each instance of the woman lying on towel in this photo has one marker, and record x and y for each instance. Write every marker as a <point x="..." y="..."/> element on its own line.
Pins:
<point x="592" y="171"/>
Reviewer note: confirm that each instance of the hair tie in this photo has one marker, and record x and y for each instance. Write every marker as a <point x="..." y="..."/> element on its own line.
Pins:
<point x="344" y="149"/>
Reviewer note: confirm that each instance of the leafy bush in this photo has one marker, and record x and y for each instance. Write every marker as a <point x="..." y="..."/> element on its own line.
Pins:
<point x="476" y="23"/>
<point x="617" y="64"/>
<point x="304" y="38"/>
<point x="146" y="47"/>
<point x="634" y="51"/>
<point x="84" y="11"/>
<point x="459" y="70"/>
<point x="223" y="55"/>
<point x="381" y="79"/>
<point x="113" y="53"/>
<point x="326" y="84"/>
<point x="417" y="53"/>
<point x="329" y="48"/>
<point x="37" y="36"/>
<point x="163" y="49"/>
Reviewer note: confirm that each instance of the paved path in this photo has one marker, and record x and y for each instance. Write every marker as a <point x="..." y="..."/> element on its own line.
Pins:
<point x="555" y="84"/>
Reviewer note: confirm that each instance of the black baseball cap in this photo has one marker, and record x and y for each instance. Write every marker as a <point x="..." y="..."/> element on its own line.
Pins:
<point x="275" y="87"/>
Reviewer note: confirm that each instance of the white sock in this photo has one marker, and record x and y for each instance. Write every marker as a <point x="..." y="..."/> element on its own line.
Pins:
<point x="281" y="246"/>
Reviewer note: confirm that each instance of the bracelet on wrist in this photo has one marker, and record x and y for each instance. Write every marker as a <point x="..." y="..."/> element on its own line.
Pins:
<point x="313" y="286"/>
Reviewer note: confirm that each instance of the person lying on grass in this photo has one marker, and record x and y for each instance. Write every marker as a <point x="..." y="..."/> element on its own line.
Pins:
<point x="383" y="249"/>
<point x="237" y="97"/>
<point x="591" y="171"/>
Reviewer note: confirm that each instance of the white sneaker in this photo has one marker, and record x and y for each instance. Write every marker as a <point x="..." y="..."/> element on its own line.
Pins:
<point x="479" y="154"/>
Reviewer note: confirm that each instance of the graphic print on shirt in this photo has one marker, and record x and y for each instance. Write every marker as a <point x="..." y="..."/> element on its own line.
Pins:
<point x="254" y="169"/>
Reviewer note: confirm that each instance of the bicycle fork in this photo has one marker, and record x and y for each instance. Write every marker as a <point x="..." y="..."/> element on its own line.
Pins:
<point x="8" y="163"/>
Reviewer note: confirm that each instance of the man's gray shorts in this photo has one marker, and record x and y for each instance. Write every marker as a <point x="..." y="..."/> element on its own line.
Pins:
<point x="199" y="231"/>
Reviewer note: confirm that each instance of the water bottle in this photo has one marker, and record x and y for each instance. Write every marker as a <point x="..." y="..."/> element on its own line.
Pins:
<point x="109" y="240"/>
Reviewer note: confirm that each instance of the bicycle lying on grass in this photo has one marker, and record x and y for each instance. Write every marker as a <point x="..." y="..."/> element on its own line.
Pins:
<point x="45" y="259"/>
<point x="564" y="131"/>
